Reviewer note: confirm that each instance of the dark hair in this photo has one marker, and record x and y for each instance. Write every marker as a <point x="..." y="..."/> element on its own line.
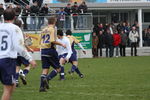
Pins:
<point x="9" y="14"/>
<point x="18" y="22"/>
<point x="60" y="32"/>
<point x="68" y="32"/>
<point x="51" y="20"/>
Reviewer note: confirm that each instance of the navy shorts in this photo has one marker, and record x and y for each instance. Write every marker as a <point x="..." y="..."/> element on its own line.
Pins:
<point x="22" y="60"/>
<point x="50" y="58"/>
<point x="73" y="56"/>
<point x="62" y="56"/>
<point x="7" y="71"/>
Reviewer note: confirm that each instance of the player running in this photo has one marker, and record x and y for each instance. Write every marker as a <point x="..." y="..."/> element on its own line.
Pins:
<point x="63" y="53"/>
<point x="73" y="58"/>
<point x="49" y="54"/>
<point x="11" y="43"/>
<point x="21" y="60"/>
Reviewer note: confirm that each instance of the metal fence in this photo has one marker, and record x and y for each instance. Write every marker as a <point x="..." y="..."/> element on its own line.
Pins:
<point x="36" y="23"/>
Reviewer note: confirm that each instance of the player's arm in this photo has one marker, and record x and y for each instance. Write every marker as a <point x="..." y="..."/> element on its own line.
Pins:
<point x="58" y="43"/>
<point x="53" y="39"/>
<point x="80" y="45"/>
<point x="18" y="45"/>
<point x="29" y="49"/>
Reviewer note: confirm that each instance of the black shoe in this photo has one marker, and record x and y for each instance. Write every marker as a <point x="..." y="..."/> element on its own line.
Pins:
<point x="42" y="89"/>
<point x="23" y="79"/>
<point x="81" y="75"/>
<point x="46" y="83"/>
<point x="70" y="72"/>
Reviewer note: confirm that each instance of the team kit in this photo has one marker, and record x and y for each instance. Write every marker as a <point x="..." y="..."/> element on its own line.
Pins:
<point x="57" y="49"/>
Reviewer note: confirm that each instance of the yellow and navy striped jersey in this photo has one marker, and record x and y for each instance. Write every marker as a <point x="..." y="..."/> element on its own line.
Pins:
<point x="47" y="37"/>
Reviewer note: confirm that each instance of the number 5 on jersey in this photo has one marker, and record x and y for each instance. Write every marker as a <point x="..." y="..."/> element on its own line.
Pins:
<point x="4" y="43"/>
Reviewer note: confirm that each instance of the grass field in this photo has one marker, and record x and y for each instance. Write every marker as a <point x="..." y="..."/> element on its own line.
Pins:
<point x="125" y="78"/>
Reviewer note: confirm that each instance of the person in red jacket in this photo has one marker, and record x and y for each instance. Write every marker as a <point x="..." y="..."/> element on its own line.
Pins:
<point x="117" y="40"/>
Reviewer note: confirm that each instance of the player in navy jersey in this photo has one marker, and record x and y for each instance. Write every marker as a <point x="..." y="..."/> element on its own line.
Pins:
<point x="49" y="55"/>
<point x="11" y="43"/>
<point x="73" y="59"/>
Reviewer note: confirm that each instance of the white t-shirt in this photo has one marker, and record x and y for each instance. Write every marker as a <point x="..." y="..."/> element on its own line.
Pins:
<point x="61" y="50"/>
<point x="12" y="42"/>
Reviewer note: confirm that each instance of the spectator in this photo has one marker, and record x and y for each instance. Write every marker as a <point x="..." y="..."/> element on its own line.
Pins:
<point x="144" y="32"/>
<point x="39" y="2"/>
<point x="116" y="42"/>
<point x="34" y="9"/>
<point x="94" y="45"/>
<point x="148" y="36"/>
<point x="101" y="38"/>
<point x="75" y="12"/>
<point x="109" y="43"/>
<point x="68" y="19"/>
<point x="17" y="10"/>
<point x="123" y="43"/>
<point x="43" y="12"/>
<point x="61" y="18"/>
<point x="25" y="13"/>
<point x="81" y="20"/>
<point x="83" y="8"/>
<point x="133" y="36"/>
<point x="1" y="12"/>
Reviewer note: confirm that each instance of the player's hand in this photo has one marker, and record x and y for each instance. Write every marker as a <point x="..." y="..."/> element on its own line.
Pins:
<point x="63" y="45"/>
<point x="67" y="60"/>
<point x="84" y="51"/>
<point x="33" y="63"/>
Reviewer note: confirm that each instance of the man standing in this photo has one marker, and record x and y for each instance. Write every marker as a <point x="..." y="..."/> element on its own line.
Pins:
<point x="11" y="43"/>
<point x="133" y="36"/>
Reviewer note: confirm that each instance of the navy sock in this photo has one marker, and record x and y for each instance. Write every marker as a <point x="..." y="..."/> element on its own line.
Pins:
<point x="17" y="76"/>
<point x="25" y="71"/>
<point x="77" y="71"/>
<point x="52" y="75"/>
<point x="42" y="77"/>
<point x="62" y="74"/>
<point x="73" y="68"/>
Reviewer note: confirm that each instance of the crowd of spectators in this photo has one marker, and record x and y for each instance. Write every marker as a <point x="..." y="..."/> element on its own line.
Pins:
<point x="114" y="37"/>
<point x="34" y="16"/>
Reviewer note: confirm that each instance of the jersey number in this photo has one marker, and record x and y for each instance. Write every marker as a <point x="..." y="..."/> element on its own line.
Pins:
<point x="4" y="43"/>
<point x="46" y="38"/>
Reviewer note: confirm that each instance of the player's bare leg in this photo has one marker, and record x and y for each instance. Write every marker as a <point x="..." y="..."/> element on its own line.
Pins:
<point x="8" y="90"/>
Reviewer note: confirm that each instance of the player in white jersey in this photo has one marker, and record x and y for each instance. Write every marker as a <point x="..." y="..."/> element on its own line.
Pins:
<point x="63" y="53"/>
<point x="11" y="43"/>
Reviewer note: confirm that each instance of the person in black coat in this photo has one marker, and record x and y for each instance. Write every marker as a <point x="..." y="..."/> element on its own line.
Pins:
<point x="25" y="13"/>
<point x="68" y="19"/>
<point x="109" y="43"/>
<point x="75" y="12"/>
<point x="34" y="9"/>
<point x="1" y="11"/>
<point x="43" y="12"/>
<point x="101" y="38"/>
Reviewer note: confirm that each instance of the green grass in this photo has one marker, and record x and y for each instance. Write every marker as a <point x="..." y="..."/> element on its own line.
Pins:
<point x="125" y="78"/>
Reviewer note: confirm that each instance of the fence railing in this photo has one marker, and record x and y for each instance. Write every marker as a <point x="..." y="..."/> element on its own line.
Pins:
<point x="127" y="1"/>
<point x="36" y="23"/>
